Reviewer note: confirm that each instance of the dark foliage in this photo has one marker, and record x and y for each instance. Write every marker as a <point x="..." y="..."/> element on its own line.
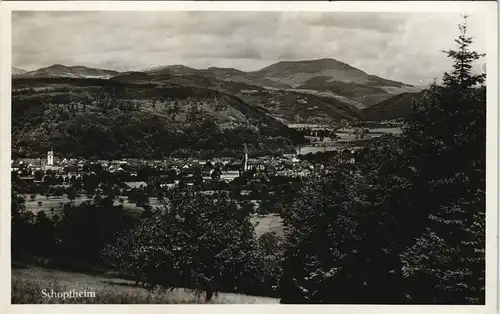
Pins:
<point x="109" y="120"/>
<point x="409" y="225"/>
<point x="446" y="144"/>
<point x="195" y="241"/>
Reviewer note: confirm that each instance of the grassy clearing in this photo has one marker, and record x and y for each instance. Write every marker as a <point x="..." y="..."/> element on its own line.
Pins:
<point x="268" y="223"/>
<point x="28" y="284"/>
<point x="57" y="204"/>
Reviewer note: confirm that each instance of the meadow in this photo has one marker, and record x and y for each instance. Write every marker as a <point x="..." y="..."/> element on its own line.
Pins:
<point x="54" y="205"/>
<point x="28" y="282"/>
<point x="57" y="202"/>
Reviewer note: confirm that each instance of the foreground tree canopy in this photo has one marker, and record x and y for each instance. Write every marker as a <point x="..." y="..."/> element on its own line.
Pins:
<point x="196" y="241"/>
<point x="410" y="228"/>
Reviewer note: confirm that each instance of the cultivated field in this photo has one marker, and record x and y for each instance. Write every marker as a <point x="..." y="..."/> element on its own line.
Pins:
<point x="28" y="283"/>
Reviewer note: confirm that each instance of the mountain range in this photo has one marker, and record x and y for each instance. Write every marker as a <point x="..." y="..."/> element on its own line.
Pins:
<point x="59" y="70"/>
<point x="177" y="109"/>
<point x="312" y="91"/>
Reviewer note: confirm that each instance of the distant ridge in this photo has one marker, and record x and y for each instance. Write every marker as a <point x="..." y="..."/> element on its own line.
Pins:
<point x="17" y="71"/>
<point x="323" y="77"/>
<point x="59" y="70"/>
<point x="171" y="69"/>
<point x="295" y="72"/>
<point x="290" y="72"/>
<point x="339" y="78"/>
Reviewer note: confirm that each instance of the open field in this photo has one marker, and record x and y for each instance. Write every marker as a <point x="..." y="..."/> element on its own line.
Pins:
<point x="345" y="136"/>
<point x="267" y="223"/>
<point x="386" y="130"/>
<point x="57" y="203"/>
<point x="314" y="149"/>
<point x="28" y="283"/>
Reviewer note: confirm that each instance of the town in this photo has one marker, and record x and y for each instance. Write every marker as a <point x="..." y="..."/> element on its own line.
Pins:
<point x="248" y="180"/>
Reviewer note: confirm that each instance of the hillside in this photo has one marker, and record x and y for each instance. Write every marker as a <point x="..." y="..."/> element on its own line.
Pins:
<point x="28" y="282"/>
<point x="237" y="76"/>
<point x="225" y="79"/>
<point x="395" y="107"/>
<point x="336" y="77"/>
<point x="108" y="119"/>
<point x="296" y="73"/>
<point x="17" y="71"/>
<point x="281" y="101"/>
<point x="171" y="69"/>
<point x="59" y="70"/>
<point x="311" y="91"/>
<point x="299" y="107"/>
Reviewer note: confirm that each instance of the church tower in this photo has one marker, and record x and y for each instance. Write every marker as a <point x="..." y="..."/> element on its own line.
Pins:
<point x="50" y="158"/>
<point x="245" y="165"/>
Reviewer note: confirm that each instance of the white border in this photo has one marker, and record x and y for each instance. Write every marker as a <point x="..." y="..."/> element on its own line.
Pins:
<point x="489" y="9"/>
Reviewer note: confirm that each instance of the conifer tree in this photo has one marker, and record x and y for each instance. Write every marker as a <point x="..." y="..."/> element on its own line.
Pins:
<point x="445" y="146"/>
<point x="411" y="228"/>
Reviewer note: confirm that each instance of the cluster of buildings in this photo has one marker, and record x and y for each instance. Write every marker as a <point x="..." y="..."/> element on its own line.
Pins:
<point x="173" y="170"/>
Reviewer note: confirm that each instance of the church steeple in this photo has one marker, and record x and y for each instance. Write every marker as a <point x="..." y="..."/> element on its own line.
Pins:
<point x="245" y="165"/>
<point x="50" y="157"/>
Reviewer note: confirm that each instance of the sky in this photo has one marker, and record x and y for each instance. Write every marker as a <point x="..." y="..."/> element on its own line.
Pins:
<point x="398" y="46"/>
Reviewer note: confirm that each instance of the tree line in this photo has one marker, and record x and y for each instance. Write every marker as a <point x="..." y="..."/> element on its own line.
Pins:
<point x="409" y="226"/>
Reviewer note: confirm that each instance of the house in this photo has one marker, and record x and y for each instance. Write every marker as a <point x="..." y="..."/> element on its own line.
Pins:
<point x="114" y="169"/>
<point x="254" y="164"/>
<point x="215" y="174"/>
<point x="234" y="166"/>
<point x="229" y="175"/>
<point x="168" y="185"/>
<point x="34" y="163"/>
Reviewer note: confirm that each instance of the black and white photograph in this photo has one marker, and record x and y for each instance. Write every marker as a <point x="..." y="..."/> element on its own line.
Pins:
<point x="251" y="156"/>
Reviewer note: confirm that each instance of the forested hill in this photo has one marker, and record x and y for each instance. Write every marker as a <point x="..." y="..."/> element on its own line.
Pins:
<point x="97" y="118"/>
<point x="307" y="91"/>
<point x="399" y="106"/>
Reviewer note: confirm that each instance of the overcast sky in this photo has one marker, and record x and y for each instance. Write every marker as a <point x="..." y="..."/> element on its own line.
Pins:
<point x="402" y="47"/>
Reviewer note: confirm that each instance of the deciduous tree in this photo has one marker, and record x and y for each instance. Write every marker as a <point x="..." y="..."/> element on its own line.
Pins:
<point x="196" y="241"/>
